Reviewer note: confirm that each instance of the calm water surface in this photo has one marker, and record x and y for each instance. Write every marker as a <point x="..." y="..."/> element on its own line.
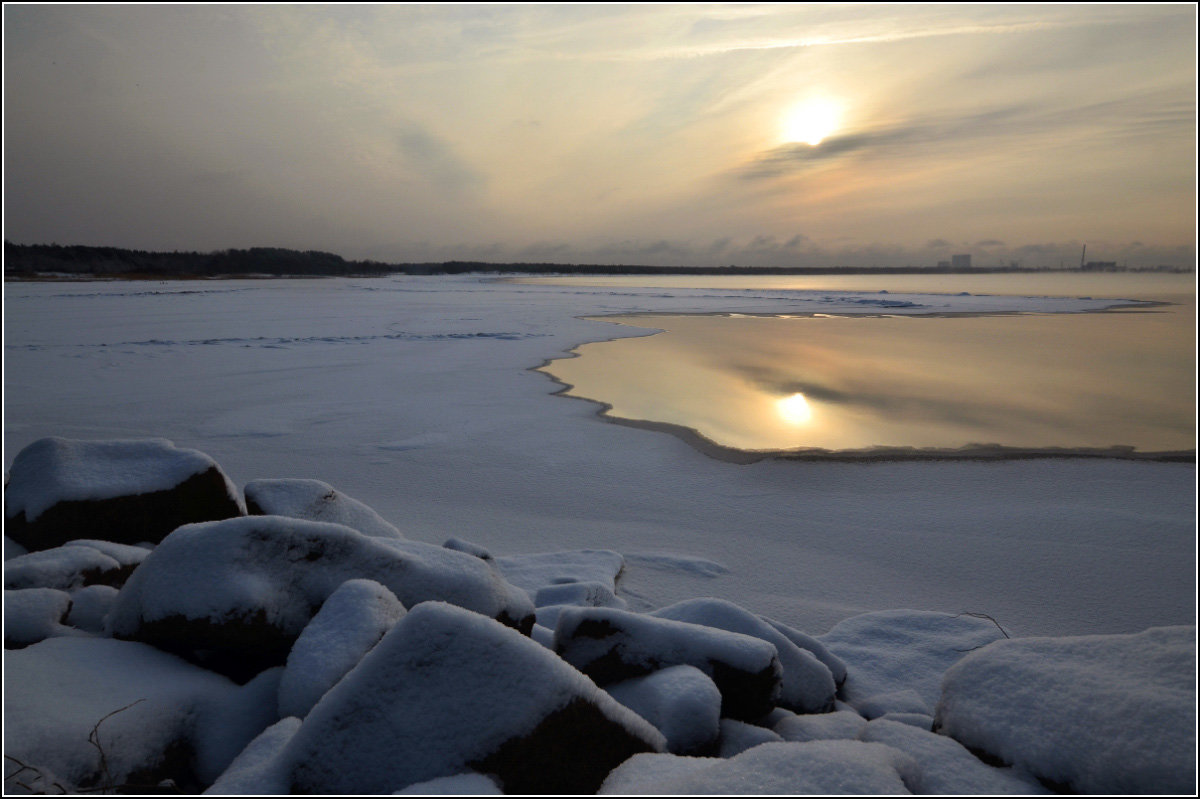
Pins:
<point x="1124" y="378"/>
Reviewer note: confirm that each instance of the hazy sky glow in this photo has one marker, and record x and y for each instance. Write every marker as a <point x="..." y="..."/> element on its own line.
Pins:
<point x="659" y="134"/>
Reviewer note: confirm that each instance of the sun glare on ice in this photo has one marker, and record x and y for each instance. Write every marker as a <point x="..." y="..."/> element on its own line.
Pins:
<point x="794" y="409"/>
<point x="811" y="121"/>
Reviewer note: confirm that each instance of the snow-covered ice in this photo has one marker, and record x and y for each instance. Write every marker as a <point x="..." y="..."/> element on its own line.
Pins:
<point x="443" y="365"/>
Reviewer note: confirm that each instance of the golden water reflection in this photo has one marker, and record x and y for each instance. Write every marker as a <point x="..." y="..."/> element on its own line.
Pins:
<point x="1097" y="380"/>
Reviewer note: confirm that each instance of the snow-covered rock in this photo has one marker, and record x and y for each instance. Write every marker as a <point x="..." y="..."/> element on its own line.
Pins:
<point x="682" y="702"/>
<point x="818" y="767"/>
<point x="317" y="502"/>
<point x="63" y="568"/>
<point x="35" y="614"/>
<point x="75" y="564"/>
<point x="814" y="645"/>
<point x="738" y="736"/>
<point x="893" y="655"/>
<point x="1096" y="713"/>
<point x="235" y="594"/>
<point x="944" y="766"/>
<point x="807" y="685"/>
<point x="90" y="607"/>
<point x="123" y="491"/>
<point x="141" y="706"/>
<point x="448" y="691"/>
<point x="349" y="623"/>
<point x="611" y="645"/>
<point x="468" y="784"/>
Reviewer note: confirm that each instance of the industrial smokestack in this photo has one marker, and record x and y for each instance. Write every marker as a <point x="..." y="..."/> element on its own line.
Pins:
<point x="1082" y="255"/>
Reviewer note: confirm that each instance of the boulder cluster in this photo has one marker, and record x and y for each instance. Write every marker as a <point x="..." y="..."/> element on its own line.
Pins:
<point x="164" y="630"/>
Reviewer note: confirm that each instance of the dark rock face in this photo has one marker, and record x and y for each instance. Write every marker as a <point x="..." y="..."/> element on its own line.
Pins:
<point x="569" y="753"/>
<point x="234" y="595"/>
<point x="447" y="691"/>
<point x="129" y="519"/>
<point x="124" y="498"/>
<point x="611" y="645"/>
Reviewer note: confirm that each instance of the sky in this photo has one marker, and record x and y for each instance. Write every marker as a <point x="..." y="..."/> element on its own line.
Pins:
<point x="682" y="134"/>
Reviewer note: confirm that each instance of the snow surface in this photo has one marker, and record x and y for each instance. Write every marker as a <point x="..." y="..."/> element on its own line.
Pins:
<point x="56" y="469"/>
<point x="1101" y="714"/>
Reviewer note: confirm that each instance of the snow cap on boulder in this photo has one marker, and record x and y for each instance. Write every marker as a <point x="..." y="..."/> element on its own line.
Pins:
<point x="124" y="491"/>
<point x="235" y="594"/>
<point x="317" y="502"/>
<point x="448" y="691"/>
<point x="349" y="623"/>
<point x="807" y="685"/>
<point x="682" y="702"/>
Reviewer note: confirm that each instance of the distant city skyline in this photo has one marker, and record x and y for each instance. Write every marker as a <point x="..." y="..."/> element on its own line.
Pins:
<point x="792" y="135"/>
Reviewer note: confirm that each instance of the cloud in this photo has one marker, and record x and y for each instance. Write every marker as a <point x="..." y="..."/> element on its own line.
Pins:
<point x="434" y="159"/>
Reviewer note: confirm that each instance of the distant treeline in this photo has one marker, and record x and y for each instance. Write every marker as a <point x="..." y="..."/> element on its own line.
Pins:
<point x="33" y="259"/>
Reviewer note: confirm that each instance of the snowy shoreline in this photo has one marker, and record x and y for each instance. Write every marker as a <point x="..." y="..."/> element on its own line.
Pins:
<point x="313" y="648"/>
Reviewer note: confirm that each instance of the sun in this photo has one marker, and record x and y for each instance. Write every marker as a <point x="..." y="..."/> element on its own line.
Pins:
<point x="811" y="121"/>
<point x="794" y="409"/>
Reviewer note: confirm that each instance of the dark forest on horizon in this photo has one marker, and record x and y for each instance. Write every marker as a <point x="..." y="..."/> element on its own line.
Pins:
<point x="30" y="260"/>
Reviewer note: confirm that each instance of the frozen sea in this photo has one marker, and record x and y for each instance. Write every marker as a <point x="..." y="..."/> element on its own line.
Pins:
<point x="420" y="397"/>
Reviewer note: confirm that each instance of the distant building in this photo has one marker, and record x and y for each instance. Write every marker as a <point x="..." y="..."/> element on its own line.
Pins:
<point x="1100" y="266"/>
<point x="960" y="261"/>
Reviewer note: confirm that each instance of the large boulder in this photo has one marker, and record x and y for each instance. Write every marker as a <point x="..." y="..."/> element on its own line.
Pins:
<point x="808" y="684"/>
<point x="146" y="712"/>
<point x="611" y="645"/>
<point x="234" y="595"/>
<point x="124" y="491"/>
<point x="1096" y="714"/>
<point x="449" y="691"/>
<point x="317" y="502"/>
<point x="944" y="766"/>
